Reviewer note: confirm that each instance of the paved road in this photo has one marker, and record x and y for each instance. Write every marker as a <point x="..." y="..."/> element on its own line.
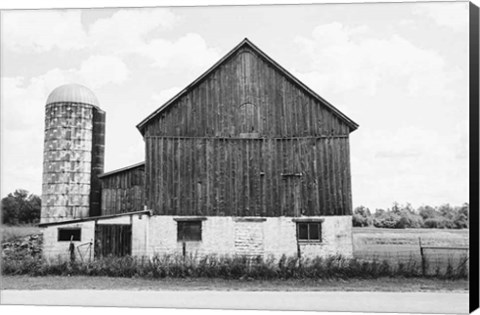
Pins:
<point x="399" y="302"/>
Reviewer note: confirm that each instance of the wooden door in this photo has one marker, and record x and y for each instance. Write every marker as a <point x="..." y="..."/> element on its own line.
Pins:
<point x="113" y="240"/>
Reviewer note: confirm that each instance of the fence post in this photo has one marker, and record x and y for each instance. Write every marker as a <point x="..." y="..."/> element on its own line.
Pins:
<point x="422" y="256"/>
<point x="90" y="251"/>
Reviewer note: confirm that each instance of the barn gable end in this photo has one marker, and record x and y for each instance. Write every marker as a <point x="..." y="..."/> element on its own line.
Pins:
<point x="247" y="139"/>
<point x="246" y="92"/>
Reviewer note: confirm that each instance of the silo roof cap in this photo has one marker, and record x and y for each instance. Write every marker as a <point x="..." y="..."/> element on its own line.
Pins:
<point x="72" y="93"/>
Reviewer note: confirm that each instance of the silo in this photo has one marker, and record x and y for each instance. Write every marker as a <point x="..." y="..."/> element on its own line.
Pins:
<point x="73" y="154"/>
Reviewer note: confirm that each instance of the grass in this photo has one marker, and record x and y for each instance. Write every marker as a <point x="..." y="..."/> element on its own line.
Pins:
<point x="109" y="283"/>
<point x="11" y="233"/>
<point x="224" y="267"/>
<point x="403" y="245"/>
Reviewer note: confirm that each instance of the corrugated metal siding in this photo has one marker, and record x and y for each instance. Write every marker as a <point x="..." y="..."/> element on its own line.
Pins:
<point x="123" y="191"/>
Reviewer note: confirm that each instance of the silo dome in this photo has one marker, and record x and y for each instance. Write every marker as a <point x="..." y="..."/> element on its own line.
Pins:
<point x="72" y="93"/>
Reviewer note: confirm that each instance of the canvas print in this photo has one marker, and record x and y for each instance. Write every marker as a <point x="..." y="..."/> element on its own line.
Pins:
<point x="285" y="157"/>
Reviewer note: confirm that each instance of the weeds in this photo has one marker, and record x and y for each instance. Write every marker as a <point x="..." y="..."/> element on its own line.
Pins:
<point x="224" y="267"/>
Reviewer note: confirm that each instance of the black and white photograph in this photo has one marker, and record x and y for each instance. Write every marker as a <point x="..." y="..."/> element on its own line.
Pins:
<point x="285" y="157"/>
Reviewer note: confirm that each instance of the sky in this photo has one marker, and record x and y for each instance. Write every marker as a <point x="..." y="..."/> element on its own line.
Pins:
<point x="399" y="70"/>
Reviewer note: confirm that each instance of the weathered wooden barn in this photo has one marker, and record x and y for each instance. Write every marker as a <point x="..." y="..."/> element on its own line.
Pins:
<point x="245" y="160"/>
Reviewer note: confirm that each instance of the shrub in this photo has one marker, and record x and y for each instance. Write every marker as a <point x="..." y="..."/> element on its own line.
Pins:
<point x="226" y="267"/>
<point x="362" y="217"/>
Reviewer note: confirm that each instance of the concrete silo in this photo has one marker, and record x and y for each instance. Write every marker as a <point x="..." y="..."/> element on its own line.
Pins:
<point x="73" y="154"/>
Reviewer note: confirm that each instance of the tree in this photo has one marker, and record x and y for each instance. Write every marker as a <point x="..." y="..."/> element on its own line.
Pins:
<point x="408" y="217"/>
<point x="405" y="216"/>
<point x="398" y="217"/>
<point x="460" y="220"/>
<point x="362" y="217"/>
<point x="427" y="212"/>
<point x="21" y="207"/>
<point x="388" y="219"/>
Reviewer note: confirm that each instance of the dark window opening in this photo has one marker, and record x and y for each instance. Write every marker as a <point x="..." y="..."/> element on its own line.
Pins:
<point x="189" y="231"/>
<point x="72" y="234"/>
<point x="310" y="231"/>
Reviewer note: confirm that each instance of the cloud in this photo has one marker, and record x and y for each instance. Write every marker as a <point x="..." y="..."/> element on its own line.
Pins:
<point x="165" y="95"/>
<point x="98" y="71"/>
<point x="126" y="30"/>
<point x="345" y="58"/>
<point x="189" y="53"/>
<point x="126" y="33"/>
<point x="37" y="32"/>
<point x="22" y="132"/>
<point x="410" y="164"/>
<point x="451" y="15"/>
<point x="43" y="31"/>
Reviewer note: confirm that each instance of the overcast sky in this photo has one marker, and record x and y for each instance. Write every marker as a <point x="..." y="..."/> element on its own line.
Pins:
<point x="399" y="70"/>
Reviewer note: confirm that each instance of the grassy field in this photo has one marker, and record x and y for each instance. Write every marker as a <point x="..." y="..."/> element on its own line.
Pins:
<point x="107" y="283"/>
<point x="10" y="233"/>
<point x="403" y="246"/>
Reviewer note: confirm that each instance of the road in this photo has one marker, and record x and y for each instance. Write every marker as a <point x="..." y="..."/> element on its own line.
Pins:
<point x="398" y="302"/>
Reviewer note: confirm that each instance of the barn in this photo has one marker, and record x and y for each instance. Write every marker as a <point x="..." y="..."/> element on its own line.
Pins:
<point x="246" y="160"/>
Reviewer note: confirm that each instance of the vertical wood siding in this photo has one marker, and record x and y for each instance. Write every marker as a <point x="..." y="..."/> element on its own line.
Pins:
<point x="123" y="191"/>
<point x="248" y="177"/>
<point x="113" y="239"/>
<point x="247" y="141"/>
<point x="246" y="85"/>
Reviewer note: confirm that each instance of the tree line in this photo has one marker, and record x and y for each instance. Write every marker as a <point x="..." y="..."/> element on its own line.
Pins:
<point x="405" y="216"/>
<point x="21" y="207"/>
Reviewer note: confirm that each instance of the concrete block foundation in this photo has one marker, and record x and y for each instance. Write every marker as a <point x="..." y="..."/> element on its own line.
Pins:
<point x="267" y="237"/>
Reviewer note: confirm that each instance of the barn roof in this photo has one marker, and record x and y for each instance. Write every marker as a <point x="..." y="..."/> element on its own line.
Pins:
<point x="247" y="43"/>
<point x="123" y="169"/>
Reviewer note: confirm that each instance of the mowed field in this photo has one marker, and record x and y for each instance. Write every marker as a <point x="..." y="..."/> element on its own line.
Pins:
<point x="441" y="247"/>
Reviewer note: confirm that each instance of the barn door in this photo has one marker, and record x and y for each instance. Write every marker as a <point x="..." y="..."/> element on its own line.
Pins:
<point x="113" y="240"/>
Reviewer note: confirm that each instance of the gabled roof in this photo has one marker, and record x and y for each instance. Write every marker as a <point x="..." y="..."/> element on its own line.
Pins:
<point x="123" y="169"/>
<point x="247" y="43"/>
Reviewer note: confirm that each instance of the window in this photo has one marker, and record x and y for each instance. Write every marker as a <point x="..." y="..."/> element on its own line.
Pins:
<point x="69" y="234"/>
<point x="309" y="231"/>
<point x="189" y="231"/>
